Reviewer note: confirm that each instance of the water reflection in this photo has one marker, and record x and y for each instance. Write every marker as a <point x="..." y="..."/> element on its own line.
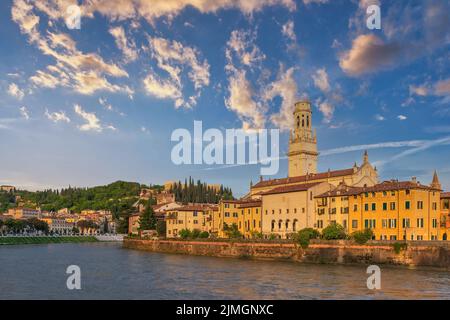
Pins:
<point x="110" y="272"/>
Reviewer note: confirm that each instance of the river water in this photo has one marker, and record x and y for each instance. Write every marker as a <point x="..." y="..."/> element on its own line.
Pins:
<point x="110" y="272"/>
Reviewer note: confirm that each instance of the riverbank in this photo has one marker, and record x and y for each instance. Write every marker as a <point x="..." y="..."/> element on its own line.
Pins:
<point x="412" y="254"/>
<point x="46" y="240"/>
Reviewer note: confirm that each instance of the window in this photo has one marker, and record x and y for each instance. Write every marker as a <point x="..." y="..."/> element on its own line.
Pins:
<point x="287" y="211"/>
<point x="295" y="210"/>
<point x="227" y="214"/>
<point x="355" y="224"/>
<point x="419" y="204"/>
<point x="374" y="206"/>
<point x="392" y="237"/>
<point x="266" y="211"/>
<point x="366" y="207"/>
<point x="384" y="223"/>
<point x="369" y="223"/>
<point x="344" y="223"/>
<point x="384" y="193"/>
<point x="195" y="213"/>
<point x="434" y="223"/>
<point x="195" y="221"/>
<point x="407" y="205"/>
<point x="434" y="206"/>
<point x="320" y="224"/>
<point x="392" y="223"/>
<point x="385" y="206"/>
<point x="355" y="207"/>
<point x="272" y="225"/>
<point x="420" y="223"/>
<point x="405" y="223"/>
<point x="408" y="192"/>
<point x="392" y="205"/>
<point x="235" y="214"/>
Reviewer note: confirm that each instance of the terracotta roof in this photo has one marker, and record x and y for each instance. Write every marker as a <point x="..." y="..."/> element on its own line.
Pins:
<point x="445" y="195"/>
<point x="306" y="178"/>
<point x="342" y="191"/>
<point x="293" y="188"/>
<point x="196" y="207"/>
<point x="384" y="186"/>
<point x="250" y="204"/>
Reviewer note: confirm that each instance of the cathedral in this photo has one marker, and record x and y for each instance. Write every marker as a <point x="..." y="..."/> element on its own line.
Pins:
<point x="303" y="157"/>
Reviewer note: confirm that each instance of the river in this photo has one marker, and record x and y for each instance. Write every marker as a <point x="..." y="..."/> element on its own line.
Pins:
<point x="110" y="272"/>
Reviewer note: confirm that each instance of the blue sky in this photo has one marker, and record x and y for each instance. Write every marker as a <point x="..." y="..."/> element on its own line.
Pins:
<point x="91" y="106"/>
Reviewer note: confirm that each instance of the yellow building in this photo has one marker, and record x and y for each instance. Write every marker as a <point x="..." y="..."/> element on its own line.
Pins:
<point x="444" y="233"/>
<point x="394" y="210"/>
<point x="250" y="224"/>
<point x="288" y="209"/>
<point x="228" y="215"/>
<point x="202" y="217"/>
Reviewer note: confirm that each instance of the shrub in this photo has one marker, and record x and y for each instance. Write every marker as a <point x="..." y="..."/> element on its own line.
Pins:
<point x="185" y="234"/>
<point x="195" y="234"/>
<point x="272" y="236"/>
<point x="204" y="235"/>
<point x="303" y="236"/>
<point x="256" y="235"/>
<point x="334" y="232"/>
<point x="399" y="246"/>
<point x="362" y="237"/>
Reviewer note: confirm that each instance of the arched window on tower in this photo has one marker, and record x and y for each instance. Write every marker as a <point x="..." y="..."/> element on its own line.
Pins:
<point x="303" y="121"/>
<point x="307" y="121"/>
<point x="298" y="121"/>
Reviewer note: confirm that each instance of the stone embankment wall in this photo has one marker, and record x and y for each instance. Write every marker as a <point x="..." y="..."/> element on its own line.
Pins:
<point x="433" y="254"/>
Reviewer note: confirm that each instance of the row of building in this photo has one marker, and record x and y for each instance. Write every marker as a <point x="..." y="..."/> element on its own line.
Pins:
<point x="352" y="197"/>
<point x="64" y="221"/>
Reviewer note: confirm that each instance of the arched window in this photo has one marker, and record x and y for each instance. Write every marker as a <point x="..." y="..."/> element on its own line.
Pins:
<point x="303" y="121"/>
<point x="279" y="224"/>
<point x="287" y="224"/>
<point x="307" y="121"/>
<point x="298" y="121"/>
<point x="273" y="225"/>
<point x="294" y="225"/>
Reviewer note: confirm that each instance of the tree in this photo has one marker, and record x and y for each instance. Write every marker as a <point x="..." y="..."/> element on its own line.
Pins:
<point x="161" y="228"/>
<point x="185" y="234"/>
<point x="305" y="235"/>
<point x="334" y="231"/>
<point x="362" y="237"/>
<point x="147" y="220"/>
<point x="232" y="232"/>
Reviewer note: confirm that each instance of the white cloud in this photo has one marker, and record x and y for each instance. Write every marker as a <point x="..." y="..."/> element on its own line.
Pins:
<point x="439" y="88"/>
<point x="127" y="47"/>
<point x="286" y="88"/>
<point x="321" y="80"/>
<point x="152" y="10"/>
<point x="327" y="110"/>
<point x="173" y="58"/>
<point x="24" y="113"/>
<point x="402" y="117"/>
<point x="15" y="91"/>
<point x="288" y="30"/>
<point x="57" y="116"/>
<point x="163" y="89"/>
<point x="409" y="34"/>
<point x="242" y="101"/>
<point x="242" y="48"/>
<point x="92" y="122"/>
<point x="379" y="117"/>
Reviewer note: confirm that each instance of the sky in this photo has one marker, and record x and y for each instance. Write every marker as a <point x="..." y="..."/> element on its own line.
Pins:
<point x="93" y="105"/>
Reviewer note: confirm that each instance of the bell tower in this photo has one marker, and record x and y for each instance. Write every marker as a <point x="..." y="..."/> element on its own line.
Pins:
<point x="302" y="142"/>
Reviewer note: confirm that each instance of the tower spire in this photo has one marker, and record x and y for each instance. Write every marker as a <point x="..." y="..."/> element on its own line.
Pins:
<point x="435" y="183"/>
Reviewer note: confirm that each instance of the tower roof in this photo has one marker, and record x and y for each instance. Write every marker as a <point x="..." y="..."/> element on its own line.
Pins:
<point x="435" y="183"/>
<point x="302" y="105"/>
